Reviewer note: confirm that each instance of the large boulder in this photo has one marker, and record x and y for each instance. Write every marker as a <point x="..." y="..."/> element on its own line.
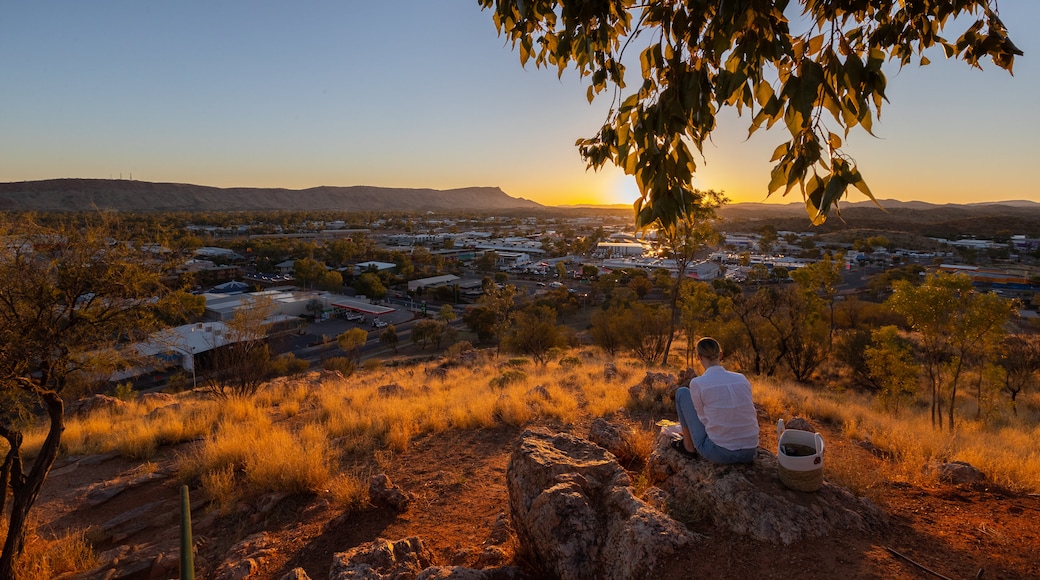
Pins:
<point x="576" y="517"/>
<point x="382" y="559"/>
<point x="750" y="499"/>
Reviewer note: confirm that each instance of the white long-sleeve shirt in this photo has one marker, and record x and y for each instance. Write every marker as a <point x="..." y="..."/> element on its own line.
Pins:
<point x="723" y="402"/>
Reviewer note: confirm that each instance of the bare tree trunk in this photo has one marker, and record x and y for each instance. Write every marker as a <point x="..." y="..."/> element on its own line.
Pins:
<point x="26" y="487"/>
<point x="671" y="319"/>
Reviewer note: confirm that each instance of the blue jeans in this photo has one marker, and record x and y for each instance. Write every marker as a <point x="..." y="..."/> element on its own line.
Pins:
<point x="705" y="446"/>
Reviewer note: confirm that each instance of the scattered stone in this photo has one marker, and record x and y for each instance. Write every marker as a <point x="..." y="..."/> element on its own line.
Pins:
<point x="610" y="371"/>
<point x="267" y="502"/>
<point x="391" y="390"/>
<point x="575" y="516"/>
<point x="459" y="573"/>
<point x="128" y="523"/>
<point x="499" y="531"/>
<point x="245" y="558"/>
<point x="156" y="399"/>
<point x="491" y="557"/>
<point x="382" y="492"/>
<point x="88" y="405"/>
<point x="750" y="499"/>
<point x="437" y="373"/>
<point x="656" y="498"/>
<point x="957" y="473"/>
<point x="539" y="391"/>
<point x="614" y="437"/>
<point x="800" y="424"/>
<point x="296" y="574"/>
<point x="659" y="388"/>
<point x="381" y="559"/>
<point x="101" y="493"/>
<point x="329" y="376"/>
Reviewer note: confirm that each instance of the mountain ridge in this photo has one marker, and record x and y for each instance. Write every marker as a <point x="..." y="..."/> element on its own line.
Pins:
<point x="73" y="194"/>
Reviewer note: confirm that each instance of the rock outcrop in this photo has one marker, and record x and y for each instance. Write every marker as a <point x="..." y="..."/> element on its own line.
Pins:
<point x="408" y="558"/>
<point x="750" y="499"/>
<point x="575" y="514"/>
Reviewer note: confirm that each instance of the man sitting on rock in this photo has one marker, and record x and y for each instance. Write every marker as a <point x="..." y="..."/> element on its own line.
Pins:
<point x="716" y="412"/>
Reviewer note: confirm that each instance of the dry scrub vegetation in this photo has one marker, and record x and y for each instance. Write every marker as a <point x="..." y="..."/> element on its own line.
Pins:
<point x="326" y="434"/>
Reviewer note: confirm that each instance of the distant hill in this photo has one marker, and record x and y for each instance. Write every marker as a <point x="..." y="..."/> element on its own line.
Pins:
<point x="144" y="196"/>
<point x="983" y="219"/>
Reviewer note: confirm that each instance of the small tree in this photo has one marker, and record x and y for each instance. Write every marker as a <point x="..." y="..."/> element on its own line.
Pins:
<point x="1019" y="361"/>
<point x="823" y="278"/>
<point x="646" y="331"/>
<point x="683" y="238"/>
<point x="241" y="360"/>
<point x="607" y="329"/>
<point x="370" y="285"/>
<point x="533" y="331"/>
<point x="641" y="285"/>
<point x="481" y="321"/>
<point x="426" y="331"/>
<point x="446" y="313"/>
<point x="69" y="294"/>
<point x="953" y="322"/>
<point x="388" y="337"/>
<point x="351" y="342"/>
<point x="890" y="360"/>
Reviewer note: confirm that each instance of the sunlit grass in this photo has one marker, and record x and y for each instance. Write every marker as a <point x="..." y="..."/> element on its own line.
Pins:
<point x="45" y="556"/>
<point x="1005" y="450"/>
<point x="294" y="434"/>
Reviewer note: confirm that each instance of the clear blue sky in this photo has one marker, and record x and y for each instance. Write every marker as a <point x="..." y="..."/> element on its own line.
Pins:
<point x="418" y="93"/>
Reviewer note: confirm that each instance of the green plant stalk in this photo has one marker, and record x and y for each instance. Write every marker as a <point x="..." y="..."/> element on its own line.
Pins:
<point x="187" y="553"/>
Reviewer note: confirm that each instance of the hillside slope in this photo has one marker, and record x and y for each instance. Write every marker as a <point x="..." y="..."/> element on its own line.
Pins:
<point x="137" y="196"/>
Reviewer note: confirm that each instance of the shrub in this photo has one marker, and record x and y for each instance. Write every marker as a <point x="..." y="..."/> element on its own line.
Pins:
<point x="349" y="491"/>
<point x="290" y="365"/>
<point x="570" y="361"/>
<point x="124" y="392"/>
<point x="344" y="365"/>
<point x="508" y="377"/>
<point x="458" y="348"/>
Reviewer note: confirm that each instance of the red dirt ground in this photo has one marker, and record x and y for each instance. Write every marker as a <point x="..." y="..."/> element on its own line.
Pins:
<point x="458" y="482"/>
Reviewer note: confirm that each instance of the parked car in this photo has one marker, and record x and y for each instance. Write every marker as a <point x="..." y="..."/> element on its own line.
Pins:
<point x="378" y="323"/>
<point x="355" y="317"/>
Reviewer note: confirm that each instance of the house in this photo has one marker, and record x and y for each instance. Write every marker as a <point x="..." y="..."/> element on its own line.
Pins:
<point x="378" y="266"/>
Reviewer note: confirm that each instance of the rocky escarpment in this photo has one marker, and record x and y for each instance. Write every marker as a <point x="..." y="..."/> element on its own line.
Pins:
<point x="143" y="196"/>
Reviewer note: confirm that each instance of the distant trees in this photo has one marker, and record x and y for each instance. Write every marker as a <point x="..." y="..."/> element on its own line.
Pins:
<point x="428" y="331"/>
<point x="370" y="285"/>
<point x="683" y="237"/>
<point x="1019" y="363"/>
<point x="351" y="342"/>
<point x="640" y="328"/>
<point x="389" y="337"/>
<point x="533" y="332"/>
<point x="954" y="322"/>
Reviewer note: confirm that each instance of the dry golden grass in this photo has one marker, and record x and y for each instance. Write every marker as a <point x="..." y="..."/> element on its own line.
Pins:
<point x="45" y="558"/>
<point x="294" y="434"/>
<point x="1005" y="449"/>
<point x="386" y="408"/>
<point x="349" y="491"/>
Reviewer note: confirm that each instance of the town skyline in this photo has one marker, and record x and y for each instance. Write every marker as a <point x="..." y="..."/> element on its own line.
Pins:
<point x="380" y="95"/>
